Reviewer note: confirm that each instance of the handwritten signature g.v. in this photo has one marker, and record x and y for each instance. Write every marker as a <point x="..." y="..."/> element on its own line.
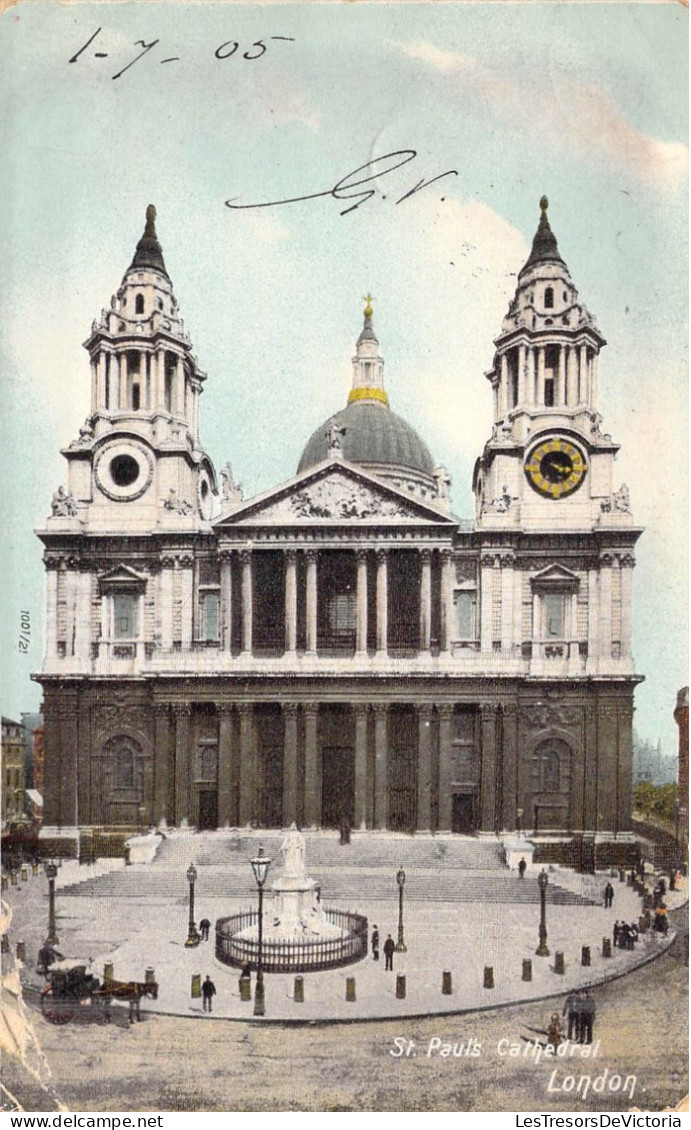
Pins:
<point x="348" y="188"/>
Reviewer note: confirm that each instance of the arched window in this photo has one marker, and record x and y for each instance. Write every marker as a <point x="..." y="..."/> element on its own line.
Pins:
<point x="551" y="766"/>
<point x="549" y="298"/>
<point x="139" y="304"/>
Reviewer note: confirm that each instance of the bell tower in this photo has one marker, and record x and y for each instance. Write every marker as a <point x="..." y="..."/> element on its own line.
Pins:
<point x="137" y="464"/>
<point x="547" y="464"/>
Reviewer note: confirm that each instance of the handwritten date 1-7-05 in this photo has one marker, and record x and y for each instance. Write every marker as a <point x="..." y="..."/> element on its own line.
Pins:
<point x="225" y="51"/>
<point x="24" y="631"/>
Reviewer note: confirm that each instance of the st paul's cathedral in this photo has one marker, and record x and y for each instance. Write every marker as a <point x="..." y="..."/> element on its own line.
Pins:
<point x="342" y="649"/>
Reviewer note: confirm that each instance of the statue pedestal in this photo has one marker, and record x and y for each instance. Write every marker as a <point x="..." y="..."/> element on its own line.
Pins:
<point x="295" y="900"/>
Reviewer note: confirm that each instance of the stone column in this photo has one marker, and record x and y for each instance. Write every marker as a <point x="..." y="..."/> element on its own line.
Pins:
<point x="605" y="618"/>
<point x="246" y="563"/>
<point x="179" y="399"/>
<point x="424" y="767"/>
<point x="593" y="379"/>
<point x="425" y="599"/>
<point x="164" y="804"/>
<point x="360" y="789"/>
<point x="625" y="764"/>
<point x="291" y="605"/>
<point x="165" y="612"/>
<point x="446" y="765"/>
<point x="593" y="615"/>
<point x="226" y="798"/>
<point x="312" y="768"/>
<point x="381" y="770"/>
<point x="532" y="393"/>
<point x="311" y="613"/>
<point x="537" y="625"/>
<point x="52" y="567"/>
<point x="486" y="596"/>
<point x="521" y="373"/>
<point x="584" y="383"/>
<point x="561" y="377"/>
<point x="183" y="756"/>
<point x="626" y="562"/>
<point x="290" y="763"/>
<point x="160" y="379"/>
<point x="186" y="580"/>
<point x="541" y="375"/>
<point x="101" y="405"/>
<point x="94" y="385"/>
<point x="361" y="602"/>
<point x="510" y="758"/>
<point x="489" y="766"/>
<point x="69" y="738"/>
<point x="507" y="603"/>
<point x="122" y="384"/>
<point x="504" y="386"/>
<point x="571" y="377"/>
<point x="226" y="559"/>
<point x="248" y="768"/>
<point x="382" y="601"/>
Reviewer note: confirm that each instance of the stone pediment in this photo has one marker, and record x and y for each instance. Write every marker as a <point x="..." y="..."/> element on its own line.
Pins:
<point x="555" y="576"/>
<point x="122" y="576"/>
<point x="334" y="494"/>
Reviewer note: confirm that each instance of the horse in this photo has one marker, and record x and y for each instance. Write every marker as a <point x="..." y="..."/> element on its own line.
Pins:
<point x="131" y="991"/>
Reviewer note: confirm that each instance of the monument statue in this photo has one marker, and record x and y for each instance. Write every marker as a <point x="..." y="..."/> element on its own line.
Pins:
<point x="293" y="849"/>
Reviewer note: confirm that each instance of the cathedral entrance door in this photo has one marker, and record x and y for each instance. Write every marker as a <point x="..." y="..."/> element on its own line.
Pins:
<point x="338" y="785"/>
<point x="208" y="810"/>
<point x="463" y="818"/>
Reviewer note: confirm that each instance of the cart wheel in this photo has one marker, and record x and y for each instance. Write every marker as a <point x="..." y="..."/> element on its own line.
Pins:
<point x="54" y="1010"/>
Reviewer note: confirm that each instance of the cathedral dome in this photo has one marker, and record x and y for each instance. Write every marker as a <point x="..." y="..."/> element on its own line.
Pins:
<point x="372" y="434"/>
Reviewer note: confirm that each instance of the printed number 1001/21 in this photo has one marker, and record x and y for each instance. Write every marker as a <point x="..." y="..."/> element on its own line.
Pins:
<point x="24" y="631"/>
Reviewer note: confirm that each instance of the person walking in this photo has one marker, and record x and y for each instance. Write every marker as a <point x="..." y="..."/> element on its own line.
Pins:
<point x="375" y="942"/>
<point x="208" y="993"/>
<point x="609" y="895"/>
<point x="521" y="868"/>
<point x="389" y="949"/>
<point x="616" y="930"/>
<point x="571" y="1012"/>
<point x="587" y="1012"/>
<point x="204" y="927"/>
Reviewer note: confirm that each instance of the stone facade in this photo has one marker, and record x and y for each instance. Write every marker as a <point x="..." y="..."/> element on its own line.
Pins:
<point x="342" y="649"/>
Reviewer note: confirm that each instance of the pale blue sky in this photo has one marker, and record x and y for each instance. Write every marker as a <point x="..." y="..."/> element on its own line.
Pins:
<point x="587" y="103"/>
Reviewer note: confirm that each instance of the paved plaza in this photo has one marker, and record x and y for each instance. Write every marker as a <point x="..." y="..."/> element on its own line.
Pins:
<point x="463" y="911"/>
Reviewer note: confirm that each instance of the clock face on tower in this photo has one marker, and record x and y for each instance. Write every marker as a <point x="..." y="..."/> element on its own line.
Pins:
<point x="555" y="467"/>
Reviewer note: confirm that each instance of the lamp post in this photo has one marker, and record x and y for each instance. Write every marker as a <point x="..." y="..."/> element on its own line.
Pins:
<point x="400" y="879"/>
<point x="542" y="881"/>
<point x="141" y="815"/>
<point x="193" y="938"/>
<point x="260" y="867"/>
<point x="51" y="871"/>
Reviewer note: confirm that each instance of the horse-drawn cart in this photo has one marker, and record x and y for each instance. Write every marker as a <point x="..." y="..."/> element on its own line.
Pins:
<point x="71" y="992"/>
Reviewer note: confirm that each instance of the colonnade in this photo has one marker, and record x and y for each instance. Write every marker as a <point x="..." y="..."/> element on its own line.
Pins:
<point x="575" y="377"/>
<point x="161" y="376"/>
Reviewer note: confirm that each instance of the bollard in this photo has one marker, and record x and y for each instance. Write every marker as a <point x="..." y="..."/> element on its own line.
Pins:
<point x="149" y="976"/>
<point x="108" y="971"/>
<point x="559" y="962"/>
<point x="13" y="878"/>
<point x="5" y="944"/>
<point x="527" y="974"/>
<point x="622" y="875"/>
<point x="446" y="983"/>
<point x="642" y="924"/>
<point x="4" y="882"/>
<point x="585" y="955"/>
<point x="299" y="990"/>
<point x="400" y="986"/>
<point x="488" y="977"/>
<point x="34" y="868"/>
<point x="196" y="989"/>
<point x="606" y="947"/>
<point x="245" y="989"/>
<point x="629" y="880"/>
<point x="21" y="951"/>
<point x="350" y="988"/>
<point x="25" y="874"/>
<point x="127" y="852"/>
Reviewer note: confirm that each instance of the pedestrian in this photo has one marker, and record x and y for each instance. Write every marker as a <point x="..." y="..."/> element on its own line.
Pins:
<point x="375" y="942"/>
<point x="587" y="1012"/>
<point x="672" y="879"/>
<point x="521" y="868"/>
<point x="616" y="930"/>
<point x="208" y="992"/>
<point x="570" y="1010"/>
<point x="204" y="927"/>
<point x="554" y="1032"/>
<point x="609" y="895"/>
<point x="389" y="948"/>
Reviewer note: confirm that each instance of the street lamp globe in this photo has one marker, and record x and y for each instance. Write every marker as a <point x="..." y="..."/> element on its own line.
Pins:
<point x="191" y="873"/>
<point x="260" y="867"/>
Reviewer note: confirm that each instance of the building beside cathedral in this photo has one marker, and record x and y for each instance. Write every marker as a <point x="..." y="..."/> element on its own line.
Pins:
<point x="342" y="648"/>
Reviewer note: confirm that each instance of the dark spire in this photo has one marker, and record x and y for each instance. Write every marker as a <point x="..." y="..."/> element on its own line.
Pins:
<point x="544" y="244"/>
<point x="149" y="253"/>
